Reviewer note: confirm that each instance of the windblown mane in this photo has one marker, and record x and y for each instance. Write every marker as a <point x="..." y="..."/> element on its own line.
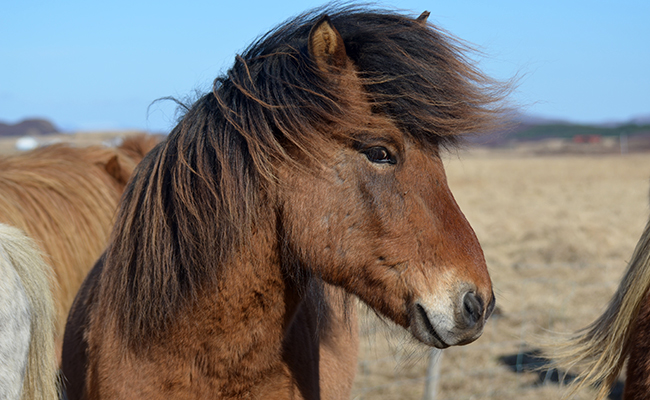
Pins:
<point x="197" y="198"/>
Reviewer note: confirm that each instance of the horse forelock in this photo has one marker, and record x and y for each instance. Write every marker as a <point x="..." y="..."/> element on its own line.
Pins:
<point x="198" y="197"/>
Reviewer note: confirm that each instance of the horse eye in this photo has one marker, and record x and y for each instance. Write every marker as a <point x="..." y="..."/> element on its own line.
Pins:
<point x="380" y="155"/>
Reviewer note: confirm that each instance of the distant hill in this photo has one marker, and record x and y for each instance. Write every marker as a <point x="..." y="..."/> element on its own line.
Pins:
<point x="522" y="128"/>
<point x="570" y="131"/>
<point x="641" y="119"/>
<point x="28" y="127"/>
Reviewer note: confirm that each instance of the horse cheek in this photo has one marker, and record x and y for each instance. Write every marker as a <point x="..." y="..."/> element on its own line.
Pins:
<point x="320" y="219"/>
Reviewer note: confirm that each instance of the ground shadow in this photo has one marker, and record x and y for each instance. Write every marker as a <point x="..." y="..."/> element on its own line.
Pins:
<point x="532" y="361"/>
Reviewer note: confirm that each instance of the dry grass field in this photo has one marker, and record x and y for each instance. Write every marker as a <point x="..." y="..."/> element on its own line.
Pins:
<point x="556" y="231"/>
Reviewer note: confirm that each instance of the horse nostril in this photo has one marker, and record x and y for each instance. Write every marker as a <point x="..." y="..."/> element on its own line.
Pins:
<point x="472" y="309"/>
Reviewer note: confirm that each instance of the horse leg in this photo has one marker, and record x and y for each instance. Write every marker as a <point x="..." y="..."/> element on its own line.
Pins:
<point x="637" y="382"/>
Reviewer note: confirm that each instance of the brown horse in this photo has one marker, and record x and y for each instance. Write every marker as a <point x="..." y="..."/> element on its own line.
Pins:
<point x="65" y="198"/>
<point x="311" y="172"/>
<point x="621" y="333"/>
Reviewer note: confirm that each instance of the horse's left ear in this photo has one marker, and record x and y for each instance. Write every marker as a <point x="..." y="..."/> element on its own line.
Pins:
<point x="326" y="47"/>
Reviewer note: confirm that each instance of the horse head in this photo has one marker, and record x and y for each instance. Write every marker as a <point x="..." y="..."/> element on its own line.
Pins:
<point x="373" y="213"/>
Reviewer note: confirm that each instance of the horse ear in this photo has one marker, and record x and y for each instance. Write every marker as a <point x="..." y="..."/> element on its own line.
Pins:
<point x="422" y="19"/>
<point x="114" y="169"/>
<point x="326" y="47"/>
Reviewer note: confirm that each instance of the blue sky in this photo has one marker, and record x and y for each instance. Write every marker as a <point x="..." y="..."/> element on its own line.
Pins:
<point x="100" y="65"/>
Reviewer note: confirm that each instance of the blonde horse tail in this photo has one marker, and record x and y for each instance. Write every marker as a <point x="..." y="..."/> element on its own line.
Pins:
<point x="601" y="348"/>
<point x="41" y="375"/>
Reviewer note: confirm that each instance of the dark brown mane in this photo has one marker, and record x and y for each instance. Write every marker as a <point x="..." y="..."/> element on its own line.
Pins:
<point x="198" y="197"/>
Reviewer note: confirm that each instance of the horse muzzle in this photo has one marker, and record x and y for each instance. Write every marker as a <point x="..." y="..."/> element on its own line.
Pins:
<point x="457" y="321"/>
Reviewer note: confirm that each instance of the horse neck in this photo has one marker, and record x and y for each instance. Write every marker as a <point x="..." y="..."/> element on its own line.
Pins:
<point x="238" y="326"/>
<point x="254" y="290"/>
